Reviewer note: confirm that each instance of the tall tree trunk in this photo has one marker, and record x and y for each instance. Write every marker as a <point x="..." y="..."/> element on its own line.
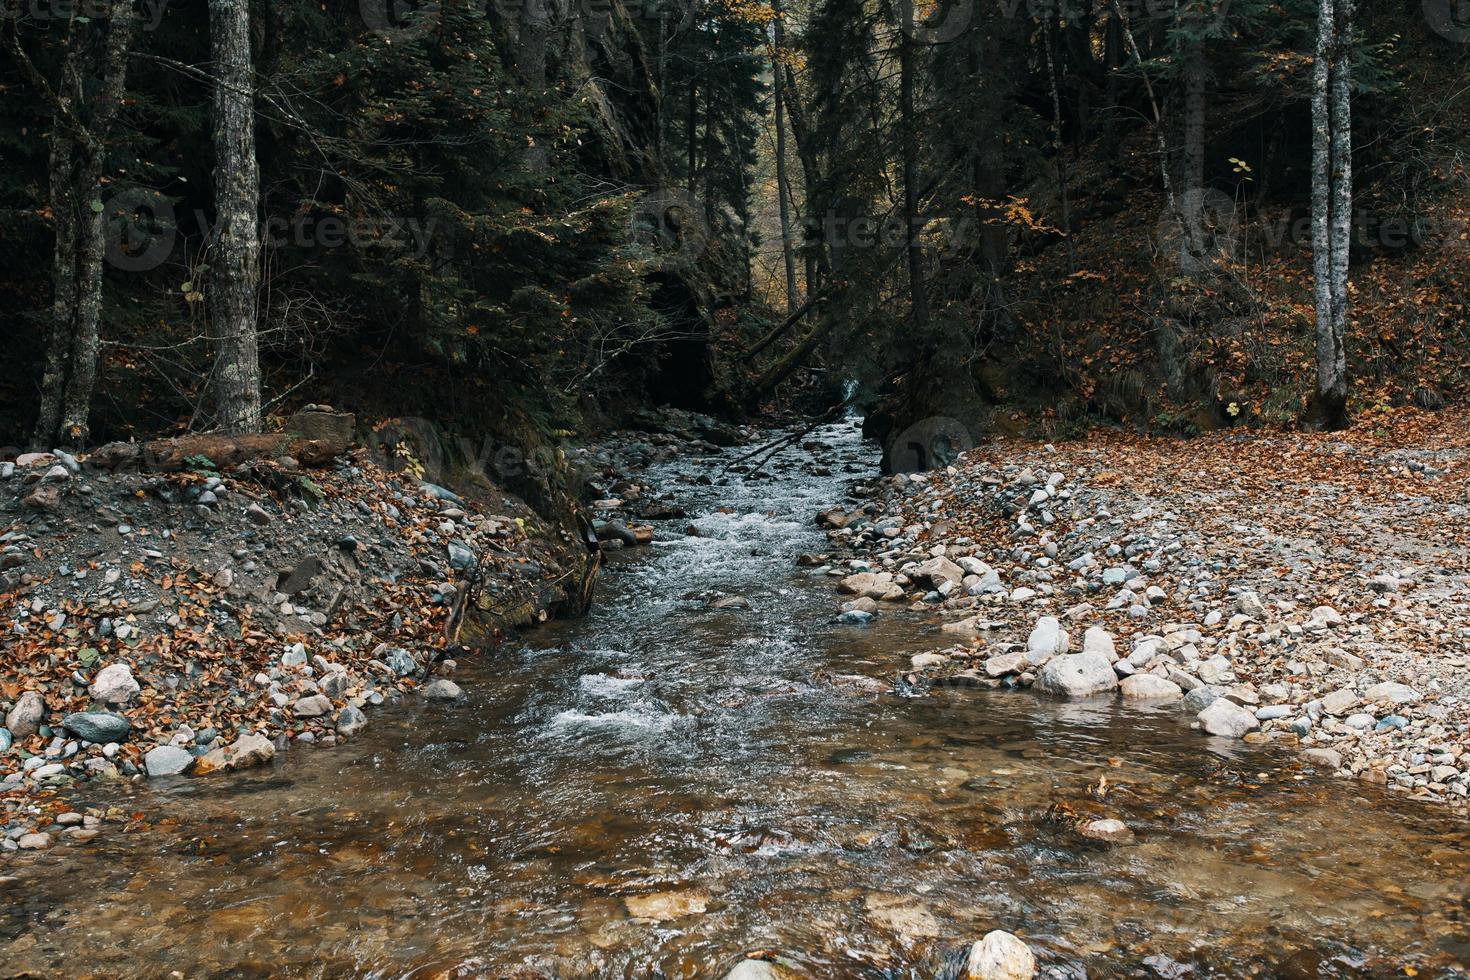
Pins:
<point x="817" y="263"/>
<point x="1196" y="73"/>
<point x="788" y="255"/>
<point x="918" y="293"/>
<point x="1051" y="30"/>
<point x="236" y="267"/>
<point x="1332" y="201"/>
<point x="692" y="134"/>
<point x="64" y="288"/>
<point x="78" y="153"/>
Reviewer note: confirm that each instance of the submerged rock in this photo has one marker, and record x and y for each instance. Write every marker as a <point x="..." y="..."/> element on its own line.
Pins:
<point x="246" y="752"/>
<point x="441" y="690"/>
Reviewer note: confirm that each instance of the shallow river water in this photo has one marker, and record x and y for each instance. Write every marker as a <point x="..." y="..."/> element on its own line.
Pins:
<point x="663" y="789"/>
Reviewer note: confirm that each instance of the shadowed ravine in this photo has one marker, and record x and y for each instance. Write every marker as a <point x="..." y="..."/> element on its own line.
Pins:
<point x="727" y="758"/>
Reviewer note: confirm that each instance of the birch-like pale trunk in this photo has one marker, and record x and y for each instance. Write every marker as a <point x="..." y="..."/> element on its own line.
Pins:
<point x="1332" y="201"/>
<point x="235" y="270"/>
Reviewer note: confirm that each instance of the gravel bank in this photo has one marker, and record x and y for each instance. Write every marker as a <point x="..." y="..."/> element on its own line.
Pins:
<point x="1308" y="589"/>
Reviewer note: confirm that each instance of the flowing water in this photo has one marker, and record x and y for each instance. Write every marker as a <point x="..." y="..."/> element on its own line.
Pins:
<point x="664" y="788"/>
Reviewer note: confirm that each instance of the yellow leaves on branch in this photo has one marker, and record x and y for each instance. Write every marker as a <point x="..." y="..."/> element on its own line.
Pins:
<point x="1013" y="211"/>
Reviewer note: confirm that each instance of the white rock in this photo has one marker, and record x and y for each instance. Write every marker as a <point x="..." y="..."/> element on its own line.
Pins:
<point x="1099" y="640"/>
<point x="1249" y="604"/>
<point x="1225" y="717"/>
<point x="1047" y="640"/>
<point x="1150" y="687"/>
<point x="1390" y="691"/>
<point x="1077" y="675"/>
<point x="1000" y="956"/>
<point x="114" y="684"/>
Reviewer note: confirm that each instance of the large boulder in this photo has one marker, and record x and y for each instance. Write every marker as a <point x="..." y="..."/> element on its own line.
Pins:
<point x="1000" y="956"/>
<point x="874" y="585"/>
<point x="114" y="685"/>
<point x="1393" y="692"/>
<point x="98" y="727"/>
<point x="1047" y="640"/>
<point x="1149" y="687"/>
<point x="441" y="690"/>
<point x="937" y="571"/>
<point x="351" y="721"/>
<point x="248" y="751"/>
<point x="1077" y="675"/>
<point x="167" y="760"/>
<point x="1226" y="718"/>
<point x="24" y="719"/>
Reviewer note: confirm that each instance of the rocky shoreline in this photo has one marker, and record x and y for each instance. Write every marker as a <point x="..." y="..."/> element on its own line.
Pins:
<point x="176" y="624"/>
<point x="169" y="618"/>
<point x="1306" y="590"/>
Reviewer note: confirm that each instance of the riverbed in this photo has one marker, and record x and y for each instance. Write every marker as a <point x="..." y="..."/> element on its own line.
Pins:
<point x="663" y="788"/>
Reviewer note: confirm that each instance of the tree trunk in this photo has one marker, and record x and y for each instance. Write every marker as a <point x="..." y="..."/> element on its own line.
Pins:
<point x="78" y="155"/>
<point x="788" y="255"/>
<point x="236" y="265"/>
<point x="1332" y="201"/>
<point x="817" y="263"/>
<point x="918" y="294"/>
<point x="64" y="288"/>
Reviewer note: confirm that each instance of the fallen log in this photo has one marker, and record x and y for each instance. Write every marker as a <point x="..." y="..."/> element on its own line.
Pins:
<point x="313" y="437"/>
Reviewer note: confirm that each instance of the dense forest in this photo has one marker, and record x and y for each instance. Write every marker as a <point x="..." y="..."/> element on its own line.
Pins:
<point x="526" y="219"/>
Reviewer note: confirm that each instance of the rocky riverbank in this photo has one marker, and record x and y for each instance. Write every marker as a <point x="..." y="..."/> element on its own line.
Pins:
<point x="1306" y="589"/>
<point x="210" y="617"/>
